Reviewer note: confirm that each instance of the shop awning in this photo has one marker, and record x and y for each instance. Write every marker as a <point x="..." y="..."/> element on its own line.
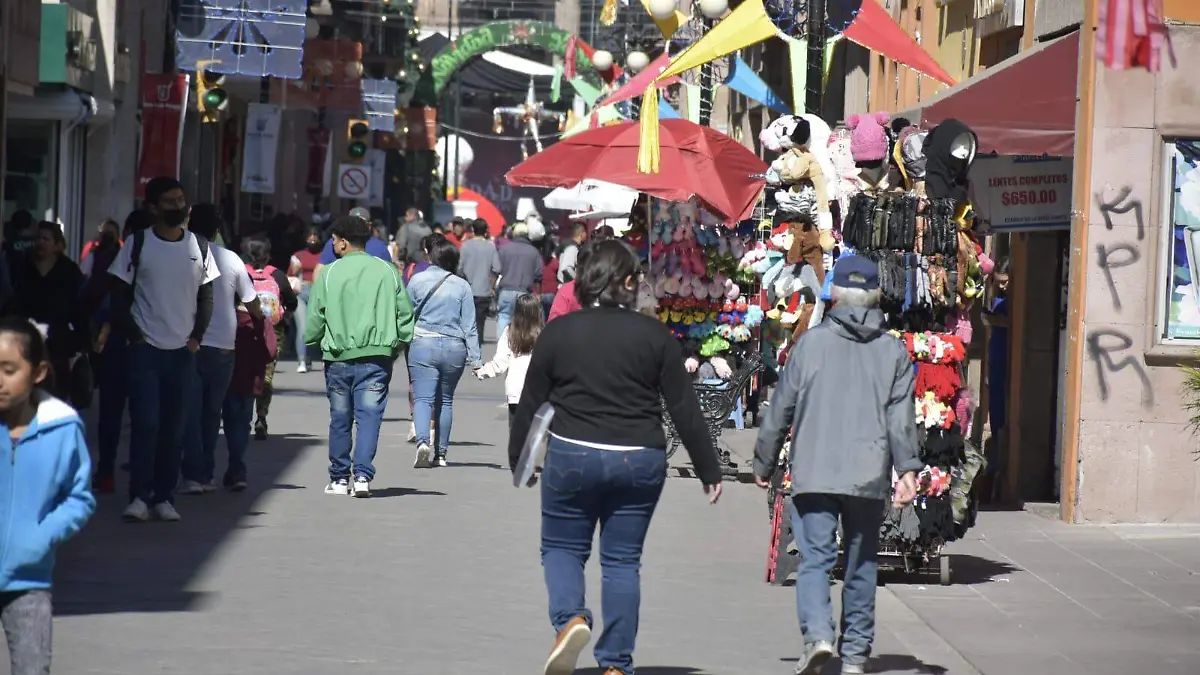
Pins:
<point x="1024" y="106"/>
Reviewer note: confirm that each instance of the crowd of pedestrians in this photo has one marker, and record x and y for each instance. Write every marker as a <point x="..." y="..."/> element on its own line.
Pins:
<point x="186" y="333"/>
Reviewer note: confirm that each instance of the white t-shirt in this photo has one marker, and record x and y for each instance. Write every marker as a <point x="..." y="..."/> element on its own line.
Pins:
<point x="232" y="287"/>
<point x="169" y="275"/>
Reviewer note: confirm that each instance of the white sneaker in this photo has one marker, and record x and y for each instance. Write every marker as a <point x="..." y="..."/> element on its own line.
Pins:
<point x="165" y="512"/>
<point x="412" y="434"/>
<point x="338" y="487"/>
<point x="362" y="487"/>
<point x="136" y="512"/>
<point x="191" y="487"/>
<point x="211" y="486"/>
<point x="302" y="367"/>
<point x="814" y="657"/>
<point x="440" y="460"/>
<point x="423" y="457"/>
<point x="853" y="669"/>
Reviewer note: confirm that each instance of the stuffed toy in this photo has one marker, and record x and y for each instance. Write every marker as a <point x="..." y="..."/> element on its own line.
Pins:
<point x="845" y="171"/>
<point x="802" y="165"/>
<point x="776" y="137"/>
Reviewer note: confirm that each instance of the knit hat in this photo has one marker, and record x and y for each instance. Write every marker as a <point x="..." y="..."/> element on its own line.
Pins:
<point x="868" y="139"/>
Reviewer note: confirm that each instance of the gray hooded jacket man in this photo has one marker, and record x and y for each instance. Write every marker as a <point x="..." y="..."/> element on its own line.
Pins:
<point x="847" y="394"/>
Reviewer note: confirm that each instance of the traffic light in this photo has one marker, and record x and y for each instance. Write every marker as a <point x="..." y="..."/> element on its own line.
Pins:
<point x="211" y="97"/>
<point x="357" y="134"/>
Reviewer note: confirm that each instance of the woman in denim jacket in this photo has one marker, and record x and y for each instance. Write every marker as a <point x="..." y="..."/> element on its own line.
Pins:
<point x="444" y="343"/>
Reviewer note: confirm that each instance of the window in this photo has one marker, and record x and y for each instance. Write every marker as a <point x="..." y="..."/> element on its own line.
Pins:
<point x="29" y="180"/>
<point x="1179" y="314"/>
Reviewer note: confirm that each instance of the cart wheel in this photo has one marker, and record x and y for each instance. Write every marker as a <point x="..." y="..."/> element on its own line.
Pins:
<point x="944" y="569"/>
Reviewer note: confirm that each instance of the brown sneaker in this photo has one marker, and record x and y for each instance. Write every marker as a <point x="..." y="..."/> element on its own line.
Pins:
<point x="571" y="641"/>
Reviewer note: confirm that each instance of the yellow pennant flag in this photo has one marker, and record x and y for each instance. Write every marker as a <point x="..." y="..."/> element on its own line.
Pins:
<point x="745" y="26"/>
<point x="667" y="26"/>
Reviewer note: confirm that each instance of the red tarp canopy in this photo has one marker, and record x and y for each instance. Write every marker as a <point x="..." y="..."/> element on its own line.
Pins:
<point x="875" y="29"/>
<point x="1024" y="106"/>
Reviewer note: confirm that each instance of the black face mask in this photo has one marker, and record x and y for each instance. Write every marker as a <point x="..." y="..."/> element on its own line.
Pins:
<point x="315" y="246"/>
<point x="174" y="217"/>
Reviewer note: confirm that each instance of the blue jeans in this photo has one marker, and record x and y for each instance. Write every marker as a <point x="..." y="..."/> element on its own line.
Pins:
<point x="435" y="365"/>
<point x="581" y="487"/>
<point x="160" y="385"/>
<point x="237" y="412"/>
<point x="506" y="304"/>
<point x="214" y="370"/>
<point x="815" y="521"/>
<point x="112" y="380"/>
<point x="300" y="319"/>
<point x="358" y="396"/>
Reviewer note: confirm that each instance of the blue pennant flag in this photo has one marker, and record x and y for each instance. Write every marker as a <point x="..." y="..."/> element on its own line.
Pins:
<point x="665" y="111"/>
<point x="746" y="82"/>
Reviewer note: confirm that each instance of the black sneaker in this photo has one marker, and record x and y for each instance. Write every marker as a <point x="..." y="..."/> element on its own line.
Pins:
<point x="439" y="459"/>
<point x="260" y="430"/>
<point x="235" y="483"/>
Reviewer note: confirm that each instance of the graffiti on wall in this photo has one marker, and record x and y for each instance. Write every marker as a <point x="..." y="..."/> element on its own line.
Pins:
<point x="1111" y="350"/>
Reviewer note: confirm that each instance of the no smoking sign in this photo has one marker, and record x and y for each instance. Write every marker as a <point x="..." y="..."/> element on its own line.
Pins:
<point x="353" y="181"/>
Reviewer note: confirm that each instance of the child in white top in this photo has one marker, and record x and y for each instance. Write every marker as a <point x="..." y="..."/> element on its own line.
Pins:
<point x="514" y="348"/>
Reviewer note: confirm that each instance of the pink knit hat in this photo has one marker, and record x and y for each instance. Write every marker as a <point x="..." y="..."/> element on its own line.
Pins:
<point x="868" y="140"/>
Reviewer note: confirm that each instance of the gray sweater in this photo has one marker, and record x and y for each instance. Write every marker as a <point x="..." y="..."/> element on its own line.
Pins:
<point x="479" y="264"/>
<point x="847" y="394"/>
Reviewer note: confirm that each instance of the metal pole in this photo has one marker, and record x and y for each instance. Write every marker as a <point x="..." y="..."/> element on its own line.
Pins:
<point x="457" y="120"/>
<point x="445" y="100"/>
<point x="816" y="57"/>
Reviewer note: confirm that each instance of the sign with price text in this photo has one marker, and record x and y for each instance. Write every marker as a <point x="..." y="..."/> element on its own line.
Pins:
<point x="1013" y="193"/>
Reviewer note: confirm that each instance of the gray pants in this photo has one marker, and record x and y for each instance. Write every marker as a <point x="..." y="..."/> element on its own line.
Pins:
<point x="27" y="618"/>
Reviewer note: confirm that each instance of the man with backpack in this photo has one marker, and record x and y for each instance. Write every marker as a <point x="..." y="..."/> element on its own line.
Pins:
<point x="164" y="306"/>
<point x="215" y="363"/>
<point x="360" y="314"/>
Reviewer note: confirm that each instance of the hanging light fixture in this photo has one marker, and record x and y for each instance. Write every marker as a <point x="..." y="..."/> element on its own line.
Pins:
<point x="602" y="59"/>
<point x="714" y="9"/>
<point x="637" y="60"/>
<point x="662" y="10"/>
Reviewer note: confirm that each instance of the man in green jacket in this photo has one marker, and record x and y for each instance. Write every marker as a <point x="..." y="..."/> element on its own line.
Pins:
<point x="361" y="316"/>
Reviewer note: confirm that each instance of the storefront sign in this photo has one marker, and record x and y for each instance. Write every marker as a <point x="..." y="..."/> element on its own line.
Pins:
<point x="164" y="99"/>
<point x="259" y="148"/>
<point x="1022" y="193"/>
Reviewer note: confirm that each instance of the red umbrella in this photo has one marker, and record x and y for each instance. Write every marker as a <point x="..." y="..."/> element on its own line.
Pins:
<point x="695" y="161"/>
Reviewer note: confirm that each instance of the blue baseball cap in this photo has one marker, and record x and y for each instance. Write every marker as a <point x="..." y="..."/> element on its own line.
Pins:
<point x="856" y="272"/>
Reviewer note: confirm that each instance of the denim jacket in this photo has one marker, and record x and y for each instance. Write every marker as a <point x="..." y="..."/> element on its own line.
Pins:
<point x="451" y="310"/>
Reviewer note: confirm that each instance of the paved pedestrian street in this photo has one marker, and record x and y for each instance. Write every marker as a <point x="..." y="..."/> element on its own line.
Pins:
<point x="439" y="573"/>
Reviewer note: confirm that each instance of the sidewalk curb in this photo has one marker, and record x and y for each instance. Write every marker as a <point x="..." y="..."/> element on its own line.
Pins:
<point x="922" y="641"/>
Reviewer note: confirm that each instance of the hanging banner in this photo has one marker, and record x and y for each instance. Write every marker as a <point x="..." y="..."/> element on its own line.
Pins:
<point x="318" y="147"/>
<point x="378" y="161"/>
<point x="1012" y="193"/>
<point x="746" y="82"/>
<point x="164" y="102"/>
<point x="259" y="146"/>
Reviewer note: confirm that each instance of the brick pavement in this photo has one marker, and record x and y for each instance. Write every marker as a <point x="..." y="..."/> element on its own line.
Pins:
<point x="438" y="573"/>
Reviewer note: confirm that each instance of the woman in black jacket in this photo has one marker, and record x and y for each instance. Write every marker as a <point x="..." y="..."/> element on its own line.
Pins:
<point x="48" y="290"/>
<point x="603" y="369"/>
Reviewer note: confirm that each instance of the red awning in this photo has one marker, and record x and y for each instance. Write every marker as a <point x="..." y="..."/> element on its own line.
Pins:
<point x="1024" y="106"/>
<point x="876" y="30"/>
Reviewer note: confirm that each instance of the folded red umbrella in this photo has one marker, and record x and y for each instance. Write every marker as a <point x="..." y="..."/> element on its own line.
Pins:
<point x="694" y="161"/>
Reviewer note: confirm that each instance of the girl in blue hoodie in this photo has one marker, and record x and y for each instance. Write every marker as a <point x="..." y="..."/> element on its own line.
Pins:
<point x="44" y="495"/>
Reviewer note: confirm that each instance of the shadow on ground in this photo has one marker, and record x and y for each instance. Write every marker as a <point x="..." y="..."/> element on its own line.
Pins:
<point x="882" y="663"/>
<point x="113" y="566"/>
<point x="649" y="670"/>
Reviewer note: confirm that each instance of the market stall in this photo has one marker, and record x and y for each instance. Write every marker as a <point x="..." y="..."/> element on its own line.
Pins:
<point x="906" y="206"/>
